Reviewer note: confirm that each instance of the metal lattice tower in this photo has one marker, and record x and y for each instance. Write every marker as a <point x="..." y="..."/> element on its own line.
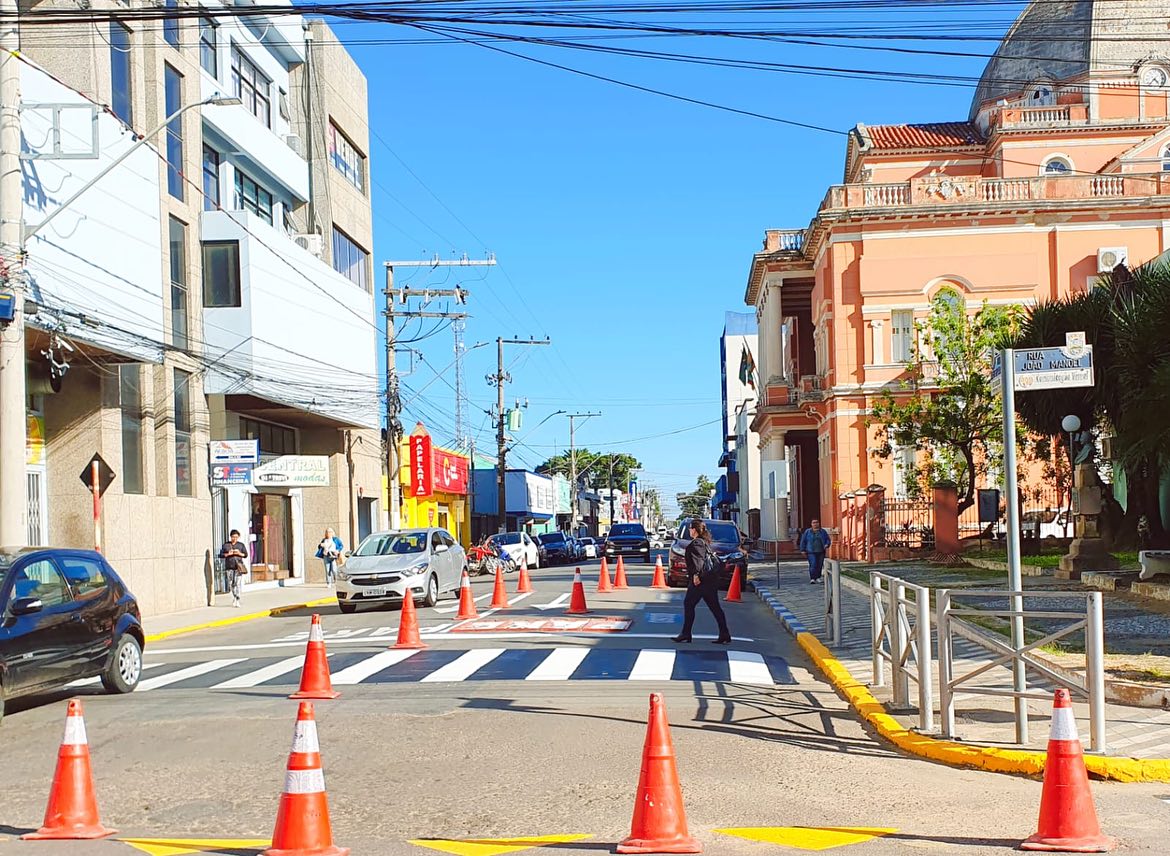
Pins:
<point x="462" y="439"/>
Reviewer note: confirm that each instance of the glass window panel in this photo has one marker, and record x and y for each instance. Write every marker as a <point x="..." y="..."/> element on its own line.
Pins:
<point x="207" y="44"/>
<point x="349" y="259"/>
<point x="252" y="87"/>
<point x="346" y="159"/>
<point x="178" y="253"/>
<point x="173" y="85"/>
<point x="171" y="25"/>
<point x="182" y="406"/>
<point x="221" y="274"/>
<point x="120" y="101"/>
<point x="250" y="196"/>
<point x="130" y="401"/>
<point x="210" y="179"/>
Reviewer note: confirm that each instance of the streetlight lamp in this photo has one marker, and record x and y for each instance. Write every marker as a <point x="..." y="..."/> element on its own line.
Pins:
<point x="213" y="101"/>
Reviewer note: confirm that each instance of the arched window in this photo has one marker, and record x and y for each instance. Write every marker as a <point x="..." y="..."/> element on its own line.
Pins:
<point x="1166" y="159"/>
<point x="1057" y="166"/>
<point x="1042" y="95"/>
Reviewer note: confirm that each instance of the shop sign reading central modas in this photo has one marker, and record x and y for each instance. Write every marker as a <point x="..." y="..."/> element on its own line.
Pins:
<point x="293" y="471"/>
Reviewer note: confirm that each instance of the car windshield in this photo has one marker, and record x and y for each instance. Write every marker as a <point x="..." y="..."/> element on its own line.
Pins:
<point x="506" y="538"/>
<point x="627" y="529"/>
<point x="393" y="544"/>
<point x="724" y="533"/>
<point x="588" y="541"/>
<point x="552" y="538"/>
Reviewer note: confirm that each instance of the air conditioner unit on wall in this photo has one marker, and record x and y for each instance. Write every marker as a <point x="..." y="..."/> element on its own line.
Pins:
<point x="311" y="242"/>
<point x="293" y="141"/>
<point x="1110" y="257"/>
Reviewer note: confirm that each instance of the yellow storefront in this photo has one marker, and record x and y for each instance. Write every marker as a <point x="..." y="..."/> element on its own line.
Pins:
<point x="435" y="485"/>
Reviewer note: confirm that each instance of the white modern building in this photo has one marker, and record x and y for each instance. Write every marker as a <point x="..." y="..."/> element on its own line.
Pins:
<point x="738" y="385"/>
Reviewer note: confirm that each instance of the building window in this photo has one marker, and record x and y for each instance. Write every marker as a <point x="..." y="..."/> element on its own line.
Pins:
<point x="130" y="400"/>
<point x="221" y="274"/>
<point x="208" y="58"/>
<point x="901" y="335"/>
<point x="173" y="84"/>
<point x="252" y="87"/>
<point x="171" y="25"/>
<point x="1042" y="95"/>
<point x="348" y="161"/>
<point x="178" y="249"/>
<point x="210" y="179"/>
<point x="250" y="196"/>
<point x="1166" y="159"/>
<point x="182" y="432"/>
<point x="350" y="260"/>
<point x="905" y="472"/>
<point x="120" y="102"/>
<point x="1057" y="166"/>
<point x="274" y="439"/>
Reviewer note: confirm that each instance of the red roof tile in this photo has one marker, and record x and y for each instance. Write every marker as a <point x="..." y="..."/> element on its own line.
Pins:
<point x="934" y="135"/>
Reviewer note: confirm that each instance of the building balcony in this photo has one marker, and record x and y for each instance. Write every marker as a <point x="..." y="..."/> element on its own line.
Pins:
<point x="1015" y="117"/>
<point x="291" y="330"/>
<point x="939" y="191"/>
<point x="784" y="241"/>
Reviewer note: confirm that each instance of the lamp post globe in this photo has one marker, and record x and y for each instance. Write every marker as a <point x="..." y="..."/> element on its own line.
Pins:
<point x="1071" y="423"/>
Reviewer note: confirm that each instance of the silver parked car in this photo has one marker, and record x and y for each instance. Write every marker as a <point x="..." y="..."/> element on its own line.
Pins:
<point x="425" y="562"/>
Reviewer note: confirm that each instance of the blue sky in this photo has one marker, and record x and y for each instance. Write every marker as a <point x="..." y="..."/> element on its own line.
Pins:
<point x="624" y="222"/>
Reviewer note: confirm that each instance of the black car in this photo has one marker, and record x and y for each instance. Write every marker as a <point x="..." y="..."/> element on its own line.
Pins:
<point x="558" y="550"/>
<point x="66" y="616"/>
<point x="627" y="539"/>
<point x="726" y="543"/>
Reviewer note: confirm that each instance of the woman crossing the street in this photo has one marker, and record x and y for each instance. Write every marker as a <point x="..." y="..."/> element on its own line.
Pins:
<point x="702" y="584"/>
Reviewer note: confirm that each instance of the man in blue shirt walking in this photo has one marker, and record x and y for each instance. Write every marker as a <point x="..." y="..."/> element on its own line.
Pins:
<point x="814" y="542"/>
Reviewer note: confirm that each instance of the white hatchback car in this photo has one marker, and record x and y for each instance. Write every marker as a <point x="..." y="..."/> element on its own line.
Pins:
<point x="518" y="545"/>
<point x="425" y="562"/>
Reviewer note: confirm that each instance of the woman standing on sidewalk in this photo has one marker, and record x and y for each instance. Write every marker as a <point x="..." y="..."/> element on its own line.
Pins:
<point x="703" y="584"/>
<point x="329" y="551"/>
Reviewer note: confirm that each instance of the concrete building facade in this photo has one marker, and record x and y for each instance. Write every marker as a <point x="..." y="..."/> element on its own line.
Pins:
<point x="177" y="301"/>
<point x="1053" y="180"/>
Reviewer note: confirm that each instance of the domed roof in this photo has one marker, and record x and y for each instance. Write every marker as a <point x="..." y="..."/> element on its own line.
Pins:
<point x="1058" y="39"/>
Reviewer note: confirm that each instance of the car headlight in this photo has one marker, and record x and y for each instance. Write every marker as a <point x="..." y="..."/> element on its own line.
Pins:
<point x="341" y="575"/>
<point x="733" y="557"/>
<point x="418" y="569"/>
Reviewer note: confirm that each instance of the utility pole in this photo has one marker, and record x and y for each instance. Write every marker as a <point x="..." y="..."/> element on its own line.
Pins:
<point x="393" y="399"/>
<point x="461" y="436"/>
<point x="573" y="466"/>
<point x="500" y="378"/>
<point x="13" y="489"/>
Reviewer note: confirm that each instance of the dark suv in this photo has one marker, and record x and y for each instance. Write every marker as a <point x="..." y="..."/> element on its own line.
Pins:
<point x="65" y="615"/>
<point x="726" y="543"/>
<point x="628" y="539"/>
<point x="557" y="548"/>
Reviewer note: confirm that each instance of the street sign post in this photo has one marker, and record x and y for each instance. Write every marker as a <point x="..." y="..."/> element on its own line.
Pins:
<point x="97" y="476"/>
<point x="1023" y="371"/>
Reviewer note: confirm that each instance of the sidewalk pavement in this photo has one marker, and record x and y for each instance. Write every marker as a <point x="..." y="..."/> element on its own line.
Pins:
<point x="256" y="604"/>
<point x="979" y="720"/>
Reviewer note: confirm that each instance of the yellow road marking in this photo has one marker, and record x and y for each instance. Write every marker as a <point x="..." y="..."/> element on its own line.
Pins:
<point x="808" y="837"/>
<point x="492" y="846"/>
<point x="239" y="619"/>
<point x="180" y="846"/>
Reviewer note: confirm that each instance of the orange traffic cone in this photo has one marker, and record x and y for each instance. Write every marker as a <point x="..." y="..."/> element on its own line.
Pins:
<point x="72" y="811"/>
<point x="466" y="601"/>
<point x="499" y="595"/>
<point x="577" y="604"/>
<point x="660" y="819"/>
<point x="659" y="575"/>
<point x="408" y="625"/>
<point x="315" y="682"/>
<point x="619" y="576"/>
<point x="603" y="578"/>
<point x="302" y="821"/>
<point x="734" y="591"/>
<point x="1068" y="820"/>
<point x="524" y="584"/>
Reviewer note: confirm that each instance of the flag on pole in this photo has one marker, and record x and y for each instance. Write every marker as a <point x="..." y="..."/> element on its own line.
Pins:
<point x="747" y="368"/>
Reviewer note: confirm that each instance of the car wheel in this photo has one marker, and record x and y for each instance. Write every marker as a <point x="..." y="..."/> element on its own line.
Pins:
<point x="347" y="608"/>
<point x="432" y="595"/>
<point x="125" y="666"/>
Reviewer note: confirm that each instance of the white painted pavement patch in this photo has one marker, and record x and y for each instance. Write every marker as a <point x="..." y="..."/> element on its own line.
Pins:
<point x="455" y="607"/>
<point x="466" y="666"/>
<point x="253" y="679"/>
<point x="653" y="664"/>
<point x="96" y="679"/>
<point x="358" y="672"/>
<point x="559" y="665"/>
<point x="747" y="667"/>
<point x="555" y="604"/>
<point x="182" y="674"/>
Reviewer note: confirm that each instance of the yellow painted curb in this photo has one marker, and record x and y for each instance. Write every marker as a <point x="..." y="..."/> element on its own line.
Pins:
<point x="240" y="619"/>
<point x="957" y="754"/>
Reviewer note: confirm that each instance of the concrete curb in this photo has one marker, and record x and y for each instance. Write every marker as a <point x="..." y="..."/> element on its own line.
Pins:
<point x="1014" y="761"/>
<point x="240" y="619"/>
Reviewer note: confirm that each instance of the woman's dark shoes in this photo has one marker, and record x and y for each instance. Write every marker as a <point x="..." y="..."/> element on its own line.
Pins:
<point x="723" y="640"/>
<point x="680" y="638"/>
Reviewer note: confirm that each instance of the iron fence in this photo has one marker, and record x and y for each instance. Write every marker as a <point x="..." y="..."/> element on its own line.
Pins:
<point x="906" y="523"/>
<point x="1044" y="513"/>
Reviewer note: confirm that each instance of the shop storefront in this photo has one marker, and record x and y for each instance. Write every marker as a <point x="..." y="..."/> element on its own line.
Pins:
<point x="435" y="486"/>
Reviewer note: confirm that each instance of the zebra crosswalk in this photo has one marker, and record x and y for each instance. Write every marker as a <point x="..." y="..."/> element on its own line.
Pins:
<point x="435" y="665"/>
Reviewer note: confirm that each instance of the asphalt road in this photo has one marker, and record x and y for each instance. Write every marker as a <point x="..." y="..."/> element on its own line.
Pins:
<point x="516" y="732"/>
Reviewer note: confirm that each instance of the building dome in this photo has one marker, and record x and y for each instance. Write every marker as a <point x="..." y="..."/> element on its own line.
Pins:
<point x="1055" y="40"/>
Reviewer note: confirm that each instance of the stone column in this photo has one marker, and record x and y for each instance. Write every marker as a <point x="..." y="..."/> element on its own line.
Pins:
<point x="773" y="512"/>
<point x="771" y="337"/>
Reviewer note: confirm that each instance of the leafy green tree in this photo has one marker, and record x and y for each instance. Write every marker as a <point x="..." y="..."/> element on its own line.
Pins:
<point x="947" y="407"/>
<point x="697" y="503"/>
<point x="594" y="467"/>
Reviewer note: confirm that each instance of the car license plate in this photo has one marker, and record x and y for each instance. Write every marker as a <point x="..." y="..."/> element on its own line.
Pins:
<point x="374" y="591"/>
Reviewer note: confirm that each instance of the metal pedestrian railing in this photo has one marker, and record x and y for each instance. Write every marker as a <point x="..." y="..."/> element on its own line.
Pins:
<point x="833" y="602"/>
<point x="902" y="637"/>
<point x="951" y="623"/>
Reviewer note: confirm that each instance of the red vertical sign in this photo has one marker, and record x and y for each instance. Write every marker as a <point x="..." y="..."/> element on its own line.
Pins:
<point x="422" y="465"/>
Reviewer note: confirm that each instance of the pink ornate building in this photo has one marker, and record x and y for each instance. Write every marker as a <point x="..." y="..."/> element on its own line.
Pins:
<point x="1061" y="171"/>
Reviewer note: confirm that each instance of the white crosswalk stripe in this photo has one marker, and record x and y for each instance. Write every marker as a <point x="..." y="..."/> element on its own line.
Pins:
<point x="358" y="672"/>
<point x="653" y="665"/>
<point x="466" y="666"/>
<point x="748" y="667"/>
<point x="96" y="679"/>
<point x="183" y="674"/>
<point x="253" y="679"/>
<point x="558" y="665"/>
<point x="455" y="607"/>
